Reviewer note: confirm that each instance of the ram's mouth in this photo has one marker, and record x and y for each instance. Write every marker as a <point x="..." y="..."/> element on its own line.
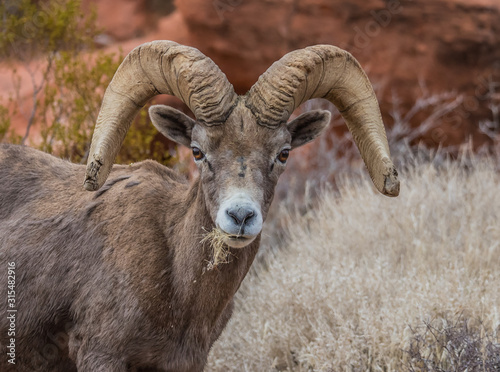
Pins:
<point x="238" y="241"/>
<point x="238" y="237"/>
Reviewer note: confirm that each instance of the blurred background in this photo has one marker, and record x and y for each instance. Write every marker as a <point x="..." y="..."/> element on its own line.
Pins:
<point x="434" y="64"/>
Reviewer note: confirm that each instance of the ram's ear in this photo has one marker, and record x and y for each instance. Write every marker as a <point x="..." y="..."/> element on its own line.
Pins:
<point x="306" y="127"/>
<point x="172" y="123"/>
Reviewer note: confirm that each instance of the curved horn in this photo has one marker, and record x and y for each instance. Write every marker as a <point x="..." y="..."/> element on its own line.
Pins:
<point x="158" y="67"/>
<point x="325" y="71"/>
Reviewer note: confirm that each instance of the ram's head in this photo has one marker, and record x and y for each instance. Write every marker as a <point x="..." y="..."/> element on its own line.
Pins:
<point x="241" y="143"/>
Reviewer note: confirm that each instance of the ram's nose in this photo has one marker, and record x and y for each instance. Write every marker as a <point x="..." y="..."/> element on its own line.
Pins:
<point x="240" y="218"/>
<point x="241" y="215"/>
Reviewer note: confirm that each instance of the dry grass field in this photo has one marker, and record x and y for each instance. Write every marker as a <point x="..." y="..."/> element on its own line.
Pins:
<point x="368" y="283"/>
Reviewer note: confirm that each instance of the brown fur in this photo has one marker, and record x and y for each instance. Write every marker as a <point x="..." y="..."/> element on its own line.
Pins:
<point x="96" y="280"/>
<point x="119" y="279"/>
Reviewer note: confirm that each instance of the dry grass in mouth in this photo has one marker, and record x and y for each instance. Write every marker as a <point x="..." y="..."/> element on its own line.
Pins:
<point x="220" y="251"/>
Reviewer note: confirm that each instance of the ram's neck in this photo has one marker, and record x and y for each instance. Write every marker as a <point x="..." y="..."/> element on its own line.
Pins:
<point x="208" y="289"/>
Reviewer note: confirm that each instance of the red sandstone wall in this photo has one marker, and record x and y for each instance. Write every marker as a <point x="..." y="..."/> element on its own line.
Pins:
<point x="409" y="48"/>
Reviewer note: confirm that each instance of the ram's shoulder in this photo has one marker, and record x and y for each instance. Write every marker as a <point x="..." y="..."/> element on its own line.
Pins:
<point x="152" y="171"/>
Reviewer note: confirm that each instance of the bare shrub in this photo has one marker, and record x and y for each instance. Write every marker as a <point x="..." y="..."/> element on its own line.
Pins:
<point x="335" y="155"/>
<point x="464" y="345"/>
<point x="491" y="127"/>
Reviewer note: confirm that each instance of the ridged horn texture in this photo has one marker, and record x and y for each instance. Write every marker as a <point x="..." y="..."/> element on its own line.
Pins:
<point x="325" y="71"/>
<point x="158" y="67"/>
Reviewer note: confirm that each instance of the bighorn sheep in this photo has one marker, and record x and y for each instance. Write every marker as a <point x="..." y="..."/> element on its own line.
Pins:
<point x="117" y="279"/>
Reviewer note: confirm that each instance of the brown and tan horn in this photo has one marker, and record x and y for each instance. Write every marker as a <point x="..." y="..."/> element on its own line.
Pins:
<point x="158" y="67"/>
<point x="325" y="71"/>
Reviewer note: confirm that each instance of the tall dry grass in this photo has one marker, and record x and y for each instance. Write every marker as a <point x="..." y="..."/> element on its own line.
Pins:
<point x="368" y="283"/>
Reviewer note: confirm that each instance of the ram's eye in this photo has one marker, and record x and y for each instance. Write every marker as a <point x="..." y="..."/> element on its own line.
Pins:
<point x="283" y="155"/>
<point x="198" y="155"/>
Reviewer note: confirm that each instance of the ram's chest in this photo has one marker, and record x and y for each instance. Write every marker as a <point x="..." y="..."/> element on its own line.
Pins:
<point x="185" y="344"/>
<point x="175" y="336"/>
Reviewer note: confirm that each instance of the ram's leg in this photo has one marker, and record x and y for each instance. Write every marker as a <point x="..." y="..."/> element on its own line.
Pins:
<point x="195" y="369"/>
<point x="199" y="368"/>
<point x="94" y="357"/>
<point x="98" y="362"/>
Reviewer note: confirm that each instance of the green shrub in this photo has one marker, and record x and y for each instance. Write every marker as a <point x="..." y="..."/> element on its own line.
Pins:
<point x="54" y="40"/>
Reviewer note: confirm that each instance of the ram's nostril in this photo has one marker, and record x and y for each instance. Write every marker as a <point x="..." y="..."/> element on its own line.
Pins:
<point x="234" y="217"/>
<point x="240" y="216"/>
<point x="248" y="216"/>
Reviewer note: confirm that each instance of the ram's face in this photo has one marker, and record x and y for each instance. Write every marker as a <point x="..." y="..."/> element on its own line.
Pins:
<point x="239" y="163"/>
<point x="240" y="143"/>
